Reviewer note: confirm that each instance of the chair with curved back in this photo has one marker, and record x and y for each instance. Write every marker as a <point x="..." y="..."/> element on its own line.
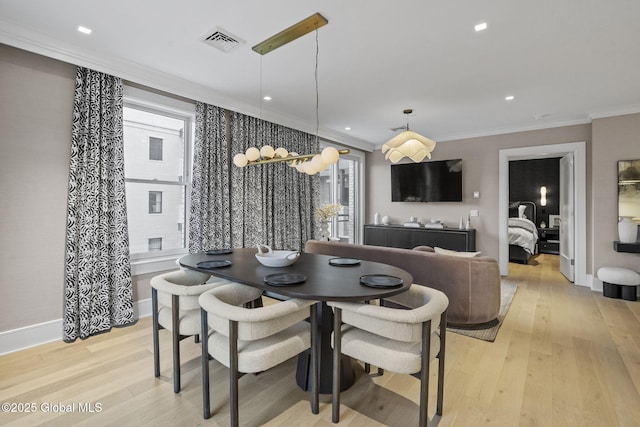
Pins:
<point x="251" y="340"/>
<point x="174" y="301"/>
<point x="402" y="340"/>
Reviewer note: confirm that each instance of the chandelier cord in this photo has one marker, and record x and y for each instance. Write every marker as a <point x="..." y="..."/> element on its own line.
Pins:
<point x="261" y="97"/>
<point x="317" y="92"/>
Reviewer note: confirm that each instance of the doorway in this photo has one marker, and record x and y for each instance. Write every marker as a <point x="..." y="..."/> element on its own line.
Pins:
<point x="578" y="150"/>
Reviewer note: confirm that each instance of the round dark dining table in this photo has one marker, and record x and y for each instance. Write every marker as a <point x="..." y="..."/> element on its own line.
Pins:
<point x="323" y="282"/>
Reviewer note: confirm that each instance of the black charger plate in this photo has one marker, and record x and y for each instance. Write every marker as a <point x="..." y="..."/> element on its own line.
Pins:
<point x="210" y="265"/>
<point x="284" y="279"/>
<point x="381" y="281"/>
<point x="219" y="251"/>
<point x="344" y="262"/>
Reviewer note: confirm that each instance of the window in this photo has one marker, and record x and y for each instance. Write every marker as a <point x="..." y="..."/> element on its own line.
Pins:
<point x="155" y="148"/>
<point x="155" y="244"/>
<point x="341" y="183"/>
<point x="157" y="157"/>
<point x="155" y="202"/>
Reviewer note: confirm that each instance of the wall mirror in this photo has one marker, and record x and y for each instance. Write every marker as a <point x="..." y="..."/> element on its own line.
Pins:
<point x="629" y="189"/>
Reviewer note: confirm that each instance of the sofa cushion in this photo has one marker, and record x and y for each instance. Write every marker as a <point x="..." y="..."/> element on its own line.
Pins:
<point x="443" y="251"/>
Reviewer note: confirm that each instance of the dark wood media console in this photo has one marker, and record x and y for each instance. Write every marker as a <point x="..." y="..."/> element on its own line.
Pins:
<point x="398" y="236"/>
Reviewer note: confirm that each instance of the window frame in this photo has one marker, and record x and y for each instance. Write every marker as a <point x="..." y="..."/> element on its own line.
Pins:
<point x="359" y="157"/>
<point x="150" y="262"/>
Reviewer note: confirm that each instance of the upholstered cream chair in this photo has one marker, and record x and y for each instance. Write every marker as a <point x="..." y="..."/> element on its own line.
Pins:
<point x="174" y="301"/>
<point x="251" y="340"/>
<point x="395" y="339"/>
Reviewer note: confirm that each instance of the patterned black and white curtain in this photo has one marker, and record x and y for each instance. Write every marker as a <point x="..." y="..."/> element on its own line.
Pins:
<point x="271" y="204"/>
<point x="98" y="289"/>
<point x="209" y="222"/>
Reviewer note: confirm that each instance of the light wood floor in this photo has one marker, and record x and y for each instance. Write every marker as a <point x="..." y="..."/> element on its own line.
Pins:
<point x="565" y="356"/>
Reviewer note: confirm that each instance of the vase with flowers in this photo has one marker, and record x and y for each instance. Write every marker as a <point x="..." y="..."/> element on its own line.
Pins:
<point x="324" y="214"/>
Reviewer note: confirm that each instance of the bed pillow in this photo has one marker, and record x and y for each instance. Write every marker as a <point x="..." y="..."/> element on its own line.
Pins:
<point x="513" y="209"/>
<point x="521" y="211"/>
<point x="443" y="251"/>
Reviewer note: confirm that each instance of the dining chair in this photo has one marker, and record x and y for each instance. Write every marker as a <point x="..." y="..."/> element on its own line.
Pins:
<point x="174" y="305"/>
<point x="399" y="339"/>
<point x="252" y="340"/>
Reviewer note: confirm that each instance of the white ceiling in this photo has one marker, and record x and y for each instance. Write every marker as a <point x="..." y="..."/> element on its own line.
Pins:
<point x="567" y="61"/>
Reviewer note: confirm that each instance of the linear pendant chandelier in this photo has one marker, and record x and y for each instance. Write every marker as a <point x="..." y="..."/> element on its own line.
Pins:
<point x="307" y="163"/>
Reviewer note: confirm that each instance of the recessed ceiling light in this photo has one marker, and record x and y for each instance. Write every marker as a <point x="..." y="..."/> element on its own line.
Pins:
<point x="481" y="27"/>
<point x="347" y="128"/>
<point x="509" y="98"/>
<point x="84" y="30"/>
<point x="267" y="98"/>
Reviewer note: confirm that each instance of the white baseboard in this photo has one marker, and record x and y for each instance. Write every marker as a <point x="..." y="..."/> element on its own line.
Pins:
<point x="142" y="308"/>
<point x="41" y="333"/>
<point x="596" y="284"/>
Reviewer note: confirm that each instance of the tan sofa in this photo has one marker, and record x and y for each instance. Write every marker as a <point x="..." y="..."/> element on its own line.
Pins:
<point x="471" y="284"/>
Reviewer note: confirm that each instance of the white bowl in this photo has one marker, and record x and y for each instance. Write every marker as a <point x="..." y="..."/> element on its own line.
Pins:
<point x="272" y="258"/>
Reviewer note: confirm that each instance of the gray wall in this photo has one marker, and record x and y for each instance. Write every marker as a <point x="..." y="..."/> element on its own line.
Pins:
<point x="35" y="130"/>
<point x="614" y="138"/>
<point x="479" y="173"/>
<point x="35" y="139"/>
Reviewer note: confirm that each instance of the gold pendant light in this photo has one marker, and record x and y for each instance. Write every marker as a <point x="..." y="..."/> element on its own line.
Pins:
<point x="307" y="163"/>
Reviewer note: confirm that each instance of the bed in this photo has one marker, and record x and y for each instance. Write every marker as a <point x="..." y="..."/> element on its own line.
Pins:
<point x="523" y="233"/>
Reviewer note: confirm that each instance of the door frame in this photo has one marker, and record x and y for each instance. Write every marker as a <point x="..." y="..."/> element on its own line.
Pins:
<point x="580" y="193"/>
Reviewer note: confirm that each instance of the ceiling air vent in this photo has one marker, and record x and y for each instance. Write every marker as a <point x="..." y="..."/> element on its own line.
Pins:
<point x="223" y="40"/>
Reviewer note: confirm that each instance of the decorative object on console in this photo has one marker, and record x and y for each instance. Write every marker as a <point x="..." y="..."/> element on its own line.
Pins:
<point x="386" y="220"/>
<point x="413" y="222"/>
<point x="408" y="144"/>
<point x="434" y="223"/>
<point x="376" y="219"/>
<point x="325" y="234"/>
<point x="324" y="214"/>
<point x="307" y="163"/>
<point x="627" y="230"/>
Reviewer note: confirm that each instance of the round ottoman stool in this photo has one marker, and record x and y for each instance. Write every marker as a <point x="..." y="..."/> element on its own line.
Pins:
<point x="619" y="282"/>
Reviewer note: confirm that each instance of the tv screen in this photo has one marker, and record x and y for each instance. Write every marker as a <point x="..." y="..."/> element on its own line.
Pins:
<point x="437" y="181"/>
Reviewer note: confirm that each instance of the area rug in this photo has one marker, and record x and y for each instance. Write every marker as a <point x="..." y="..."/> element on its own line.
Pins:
<point x="489" y="331"/>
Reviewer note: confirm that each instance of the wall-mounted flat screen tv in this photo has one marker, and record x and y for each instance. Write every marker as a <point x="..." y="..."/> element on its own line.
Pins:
<point x="437" y="181"/>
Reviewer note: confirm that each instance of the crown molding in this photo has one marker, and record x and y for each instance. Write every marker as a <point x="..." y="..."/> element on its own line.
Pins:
<point x="19" y="37"/>
<point x="617" y="111"/>
<point x="504" y="131"/>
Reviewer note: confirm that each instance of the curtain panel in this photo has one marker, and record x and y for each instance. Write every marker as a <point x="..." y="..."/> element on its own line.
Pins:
<point x="98" y="288"/>
<point x="271" y="204"/>
<point x="209" y="219"/>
